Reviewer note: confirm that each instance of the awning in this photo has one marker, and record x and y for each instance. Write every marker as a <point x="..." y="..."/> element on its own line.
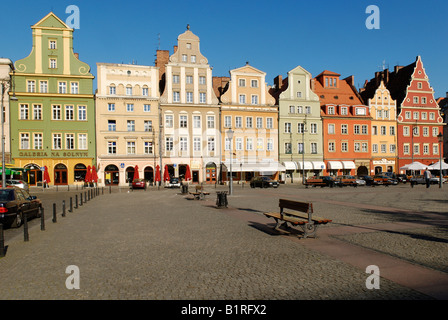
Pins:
<point x="318" y="165"/>
<point x="290" y="165"/>
<point x="264" y="167"/>
<point x="308" y="165"/>
<point x="334" y="165"/>
<point x="348" y="165"/>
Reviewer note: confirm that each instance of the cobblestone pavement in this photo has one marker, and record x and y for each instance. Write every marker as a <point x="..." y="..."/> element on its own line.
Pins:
<point x="159" y="245"/>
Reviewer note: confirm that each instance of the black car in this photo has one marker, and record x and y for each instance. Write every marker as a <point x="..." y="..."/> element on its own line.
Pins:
<point x="14" y="203"/>
<point x="263" y="182"/>
<point x="402" y="178"/>
<point x="321" y="181"/>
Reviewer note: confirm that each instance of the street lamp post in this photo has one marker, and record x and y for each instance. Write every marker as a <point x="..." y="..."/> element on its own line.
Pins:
<point x="230" y="135"/>
<point x="440" y="139"/>
<point x="303" y="151"/>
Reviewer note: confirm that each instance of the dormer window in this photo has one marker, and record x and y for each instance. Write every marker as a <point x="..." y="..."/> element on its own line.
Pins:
<point x="188" y="45"/>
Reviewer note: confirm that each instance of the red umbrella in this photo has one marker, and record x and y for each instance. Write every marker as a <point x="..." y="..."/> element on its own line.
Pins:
<point x="187" y="173"/>
<point x="46" y="175"/>
<point x="88" y="177"/>
<point x="166" y="174"/>
<point x="136" y="176"/>
<point x="94" y="174"/>
<point x="157" y="174"/>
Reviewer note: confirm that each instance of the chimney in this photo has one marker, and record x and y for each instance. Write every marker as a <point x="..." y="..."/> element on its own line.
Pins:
<point x="175" y="49"/>
<point x="162" y="58"/>
<point x="278" y="82"/>
<point x="350" y="80"/>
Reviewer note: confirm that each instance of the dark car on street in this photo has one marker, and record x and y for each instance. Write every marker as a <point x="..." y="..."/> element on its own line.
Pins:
<point x="346" y="180"/>
<point x="15" y="203"/>
<point x="139" y="184"/>
<point x="402" y="178"/>
<point x="263" y="182"/>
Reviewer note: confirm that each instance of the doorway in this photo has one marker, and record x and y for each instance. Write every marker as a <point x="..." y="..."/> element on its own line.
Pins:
<point x="60" y="174"/>
<point x="111" y="175"/>
<point x="210" y="173"/>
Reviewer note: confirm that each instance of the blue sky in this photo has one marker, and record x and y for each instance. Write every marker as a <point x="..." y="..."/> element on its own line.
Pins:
<point x="273" y="36"/>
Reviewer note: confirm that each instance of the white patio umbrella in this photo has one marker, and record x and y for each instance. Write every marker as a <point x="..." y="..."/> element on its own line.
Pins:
<point x="414" y="166"/>
<point x="436" y="166"/>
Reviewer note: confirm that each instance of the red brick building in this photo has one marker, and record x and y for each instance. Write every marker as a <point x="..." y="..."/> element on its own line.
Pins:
<point x="419" y="120"/>
<point x="346" y="125"/>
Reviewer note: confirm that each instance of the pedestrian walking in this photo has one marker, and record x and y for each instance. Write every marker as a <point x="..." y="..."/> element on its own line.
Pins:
<point x="427" y="177"/>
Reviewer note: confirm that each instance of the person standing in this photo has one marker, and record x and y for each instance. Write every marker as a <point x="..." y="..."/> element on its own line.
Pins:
<point x="427" y="176"/>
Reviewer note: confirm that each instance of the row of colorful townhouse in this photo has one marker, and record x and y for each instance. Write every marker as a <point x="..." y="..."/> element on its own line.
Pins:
<point x="177" y="116"/>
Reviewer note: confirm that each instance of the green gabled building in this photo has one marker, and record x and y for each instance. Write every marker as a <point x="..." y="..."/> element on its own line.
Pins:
<point x="53" y="121"/>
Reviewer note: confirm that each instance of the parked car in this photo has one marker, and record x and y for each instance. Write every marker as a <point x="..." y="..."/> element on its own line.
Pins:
<point x="392" y="177"/>
<point x="386" y="181"/>
<point x="16" y="183"/>
<point x="402" y="178"/>
<point x="321" y="181"/>
<point x="14" y="203"/>
<point x="263" y="182"/>
<point x="139" y="184"/>
<point x="420" y="179"/>
<point x="173" y="183"/>
<point x="346" y="180"/>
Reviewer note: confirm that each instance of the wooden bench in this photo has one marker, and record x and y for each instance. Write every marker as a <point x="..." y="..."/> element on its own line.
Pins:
<point x="301" y="216"/>
<point x="199" y="194"/>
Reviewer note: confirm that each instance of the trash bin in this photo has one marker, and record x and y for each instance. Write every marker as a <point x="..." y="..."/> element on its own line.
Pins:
<point x="184" y="188"/>
<point x="221" y="199"/>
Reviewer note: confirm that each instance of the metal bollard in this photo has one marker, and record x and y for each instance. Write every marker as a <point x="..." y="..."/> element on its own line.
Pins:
<point x="80" y="196"/>
<point x="2" y="241"/>
<point x="54" y="213"/>
<point x="76" y="201"/>
<point x="71" y="205"/>
<point x="42" y="219"/>
<point x="63" y="208"/>
<point x="26" y="236"/>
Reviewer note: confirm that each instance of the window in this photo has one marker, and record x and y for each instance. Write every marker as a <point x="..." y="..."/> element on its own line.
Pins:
<point x="356" y="129"/>
<point x="406" y="148"/>
<point x="299" y="94"/>
<point x="130" y="146"/>
<point x="379" y="114"/>
<point x="344" y="111"/>
<point x="69" y="141"/>
<point x="239" y="144"/>
<point x="259" y="123"/>
<point x="43" y="86"/>
<point x="211" y="122"/>
<point x="184" y="58"/>
<point x="176" y="96"/>
<point x="415" y="116"/>
<point x="249" y="123"/>
<point x="112" y="90"/>
<point x="189" y="79"/>
<point x="307" y="110"/>
<point x="344" y="147"/>
<point x="57" y="141"/>
<point x="53" y="64"/>
<point x="425" y="148"/>
<point x="270" y="145"/>
<point x="331" y="147"/>
<point x="82" y="113"/>
<point x="374" y="148"/>
<point x="169" y="144"/>
<point x="406" y="131"/>
<point x="287" y="127"/>
<point x="269" y="123"/>
<point x="74" y="87"/>
<point x="227" y="121"/>
<point x="249" y="144"/>
<point x="426" y="131"/>
<point x="111" y="147"/>
<point x="196" y="122"/>
<point x="196" y="144"/>
<point x="344" y="129"/>
<point x="193" y="59"/>
<point x="383" y="148"/>
<point x="82" y="141"/>
<point x="416" y="99"/>
<point x="364" y="147"/>
<point x="238" y="122"/>
<point x="24" y="112"/>
<point x="260" y="144"/>
<point x="435" y="131"/>
<point x="37" y="141"/>
<point x="211" y="144"/>
<point x="299" y="109"/>
<point x="227" y="144"/>
<point x="147" y="125"/>
<point x="254" y="99"/>
<point x="416" y="148"/>
<point x="331" y="128"/>
<point x="300" y="128"/>
<point x="360" y="111"/>
<point x="189" y="97"/>
<point x="392" y="148"/>
<point x="313" y="128"/>
<point x="24" y="141"/>
<point x="145" y="91"/>
<point x="146" y="108"/>
<point x="69" y="113"/>
<point x="364" y="129"/>
<point x="201" y="80"/>
<point x="37" y="112"/>
<point x="183" y="144"/>
<point x="313" y="147"/>
<point x="330" y="110"/>
<point x="183" y="121"/>
<point x="254" y="83"/>
<point x="288" y="149"/>
<point x="111" y="107"/>
<point x="131" y="125"/>
<point x="129" y="91"/>
<point x="31" y="86"/>
<point x="392" y="130"/>
<point x="242" y="82"/>
<point x="292" y="109"/>
<point x="202" y="97"/>
<point x="169" y="121"/>
<point x="300" y="147"/>
<point x="52" y="45"/>
<point x="407" y="115"/>
<point x="130" y="107"/>
<point x="62" y="88"/>
<point x="374" y="130"/>
<point x="357" y="147"/>
<point x="56" y="111"/>
<point x="432" y="116"/>
<point x="383" y="130"/>
<point x="242" y="98"/>
<point x="435" y="149"/>
<point x="424" y="116"/>
<point x="147" y="148"/>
